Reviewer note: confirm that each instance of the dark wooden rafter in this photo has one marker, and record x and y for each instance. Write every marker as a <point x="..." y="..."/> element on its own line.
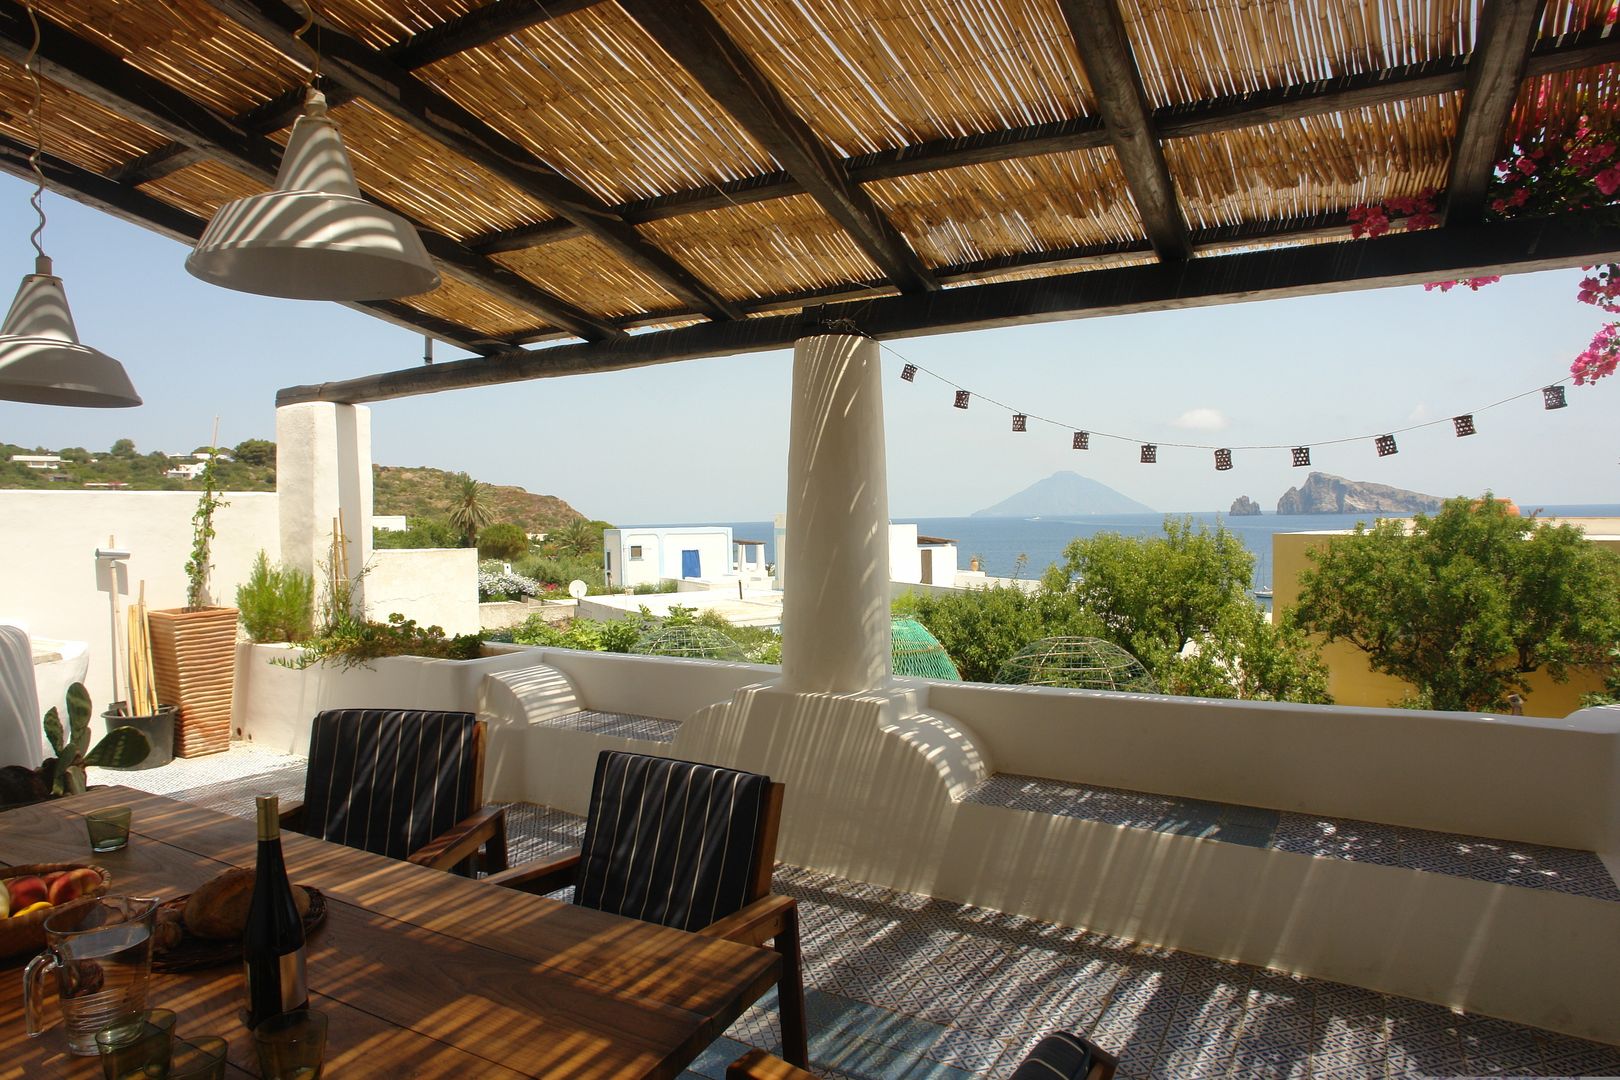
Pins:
<point x="135" y="206"/>
<point x="695" y="39"/>
<point x="1398" y="259"/>
<point x="81" y="67"/>
<point x="475" y="28"/>
<point x="365" y="73"/>
<point x="1211" y="116"/>
<point x="1105" y="52"/>
<point x="1507" y="31"/>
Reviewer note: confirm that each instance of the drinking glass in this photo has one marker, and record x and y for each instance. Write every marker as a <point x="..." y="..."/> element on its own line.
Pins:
<point x="198" y="1058"/>
<point x="108" y="829"/>
<point x="138" y="1048"/>
<point x="291" y="1046"/>
<point x="102" y="953"/>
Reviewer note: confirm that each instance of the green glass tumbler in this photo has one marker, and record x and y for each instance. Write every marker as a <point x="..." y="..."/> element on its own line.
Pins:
<point x="201" y="1057"/>
<point x="291" y="1046"/>
<point x="138" y="1048"/>
<point x="109" y="828"/>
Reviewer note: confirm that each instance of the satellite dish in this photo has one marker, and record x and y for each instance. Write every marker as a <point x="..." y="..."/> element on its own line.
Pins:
<point x="577" y="589"/>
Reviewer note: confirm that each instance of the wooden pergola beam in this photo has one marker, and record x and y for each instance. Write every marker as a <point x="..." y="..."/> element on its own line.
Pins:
<point x="365" y="73"/>
<point x="81" y="67"/>
<point x="1507" y="31"/>
<point x="1105" y="52"/>
<point x="139" y="208"/>
<point x="1210" y="116"/>
<point x="1397" y="259"/>
<point x="687" y="31"/>
<point x="475" y="28"/>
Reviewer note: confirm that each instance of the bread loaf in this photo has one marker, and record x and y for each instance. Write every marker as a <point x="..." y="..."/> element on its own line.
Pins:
<point x="219" y="907"/>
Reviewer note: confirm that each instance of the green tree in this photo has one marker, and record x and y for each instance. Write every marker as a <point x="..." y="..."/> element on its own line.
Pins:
<point x="418" y="533"/>
<point x="123" y="448"/>
<point x="260" y="453"/>
<point x="580" y="537"/>
<point x="503" y="541"/>
<point x="981" y="628"/>
<point x="1464" y="604"/>
<point x="469" y="508"/>
<point x="1156" y="596"/>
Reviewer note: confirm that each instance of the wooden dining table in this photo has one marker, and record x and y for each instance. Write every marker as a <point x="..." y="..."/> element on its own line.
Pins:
<point x="419" y="972"/>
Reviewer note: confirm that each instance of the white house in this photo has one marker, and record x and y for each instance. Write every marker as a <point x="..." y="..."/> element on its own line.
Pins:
<point x="633" y="557"/>
<point x="913" y="559"/>
<point x="388" y="522"/>
<point x="186" y="470"/>
<point x="38" y="461"/>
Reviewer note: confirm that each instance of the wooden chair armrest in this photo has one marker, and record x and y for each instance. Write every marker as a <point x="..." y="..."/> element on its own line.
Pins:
<point x="463" y="840"/>
<point x="756" y="923"/>
<point x="292" y="817"/>
<point x="758" y="1065"/>
<point x="539" y="877"/>
<point x="1103" y="1063"/>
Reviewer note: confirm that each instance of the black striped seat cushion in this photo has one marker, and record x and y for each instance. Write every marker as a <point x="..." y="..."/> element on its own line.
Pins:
<point x="389" y="780"/>
<point x="1058" y="1055"/>
<point x="669" y="842"/>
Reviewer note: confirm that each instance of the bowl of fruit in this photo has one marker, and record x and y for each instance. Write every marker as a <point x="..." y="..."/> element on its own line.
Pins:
<point x="32" y="893"/>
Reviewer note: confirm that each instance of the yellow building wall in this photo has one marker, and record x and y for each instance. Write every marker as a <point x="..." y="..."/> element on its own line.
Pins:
<point x="1352" y="682"/>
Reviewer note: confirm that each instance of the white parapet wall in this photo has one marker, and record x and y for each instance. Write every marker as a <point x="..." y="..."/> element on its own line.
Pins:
<point x="434" y="586"/>
<point x="51" y="581"/>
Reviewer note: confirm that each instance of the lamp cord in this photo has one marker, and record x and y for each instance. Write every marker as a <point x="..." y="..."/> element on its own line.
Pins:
<point x="35" y="108"/>
<point x="298" y="35"/>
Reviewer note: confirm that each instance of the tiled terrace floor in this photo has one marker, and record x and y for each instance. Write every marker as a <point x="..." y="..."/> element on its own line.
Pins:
<point x="905" y="986"/>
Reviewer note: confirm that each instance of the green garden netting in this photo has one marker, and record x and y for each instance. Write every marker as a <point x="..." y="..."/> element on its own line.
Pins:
<point x="918" y="653"/>
<point x="701" y="642"/>
<point x="1081" y="663"/>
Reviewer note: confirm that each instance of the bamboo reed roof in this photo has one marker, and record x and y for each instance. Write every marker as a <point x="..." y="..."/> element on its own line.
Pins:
<point x="732" y="171"/>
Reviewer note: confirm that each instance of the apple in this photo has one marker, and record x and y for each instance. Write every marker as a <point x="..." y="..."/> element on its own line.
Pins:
<point x="71" y="884"/>
<point x="26" y="891"/>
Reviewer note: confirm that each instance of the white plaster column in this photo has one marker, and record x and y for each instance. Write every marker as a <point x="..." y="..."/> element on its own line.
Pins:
<point x="323" y="466"/>
<point x="835" y="614"/>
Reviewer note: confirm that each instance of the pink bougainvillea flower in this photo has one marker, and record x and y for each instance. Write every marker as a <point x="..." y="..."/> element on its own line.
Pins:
<point x="1608" y="181"/>
<point x="1526" y="166"/>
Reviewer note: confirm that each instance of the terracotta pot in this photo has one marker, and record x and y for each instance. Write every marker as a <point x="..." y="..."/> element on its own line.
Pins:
<point x="194" y="661"/>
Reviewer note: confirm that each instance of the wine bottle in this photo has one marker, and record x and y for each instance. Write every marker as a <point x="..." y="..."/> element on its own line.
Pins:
<point x="273" y="940"/>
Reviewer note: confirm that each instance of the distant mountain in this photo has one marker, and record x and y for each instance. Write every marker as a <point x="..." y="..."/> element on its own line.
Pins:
<point x="1325" y="494"/>
<point x="1065" y="494"/>
<point x="429" y="493"/>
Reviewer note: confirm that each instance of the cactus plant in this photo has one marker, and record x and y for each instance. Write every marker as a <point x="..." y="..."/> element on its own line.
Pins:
<point x="123" y="747"/>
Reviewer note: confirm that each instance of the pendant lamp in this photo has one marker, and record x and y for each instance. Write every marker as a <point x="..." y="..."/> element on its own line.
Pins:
<point x="314" y="237"/>
<point x="41" y="360"/>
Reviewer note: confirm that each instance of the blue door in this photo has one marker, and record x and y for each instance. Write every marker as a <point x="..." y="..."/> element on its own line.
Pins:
<point x="690" y="567"/>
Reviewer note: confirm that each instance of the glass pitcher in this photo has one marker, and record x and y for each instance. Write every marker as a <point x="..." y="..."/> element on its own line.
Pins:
<point x="102" y="953"/>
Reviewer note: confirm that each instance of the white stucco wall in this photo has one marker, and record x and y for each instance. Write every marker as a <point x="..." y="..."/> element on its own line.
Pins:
<point x="49" y="578"/>
<point x="661" y="553"/>
<point x="434" y="586"/>
<point x="905" y="564"/>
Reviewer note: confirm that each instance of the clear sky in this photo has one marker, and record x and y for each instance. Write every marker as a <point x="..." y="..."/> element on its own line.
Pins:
<point x="706" y="440"/>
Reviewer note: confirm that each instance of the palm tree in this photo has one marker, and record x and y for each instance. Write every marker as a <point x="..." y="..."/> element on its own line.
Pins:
<point x="468" y="511"/>
<point x="579" y="537"/>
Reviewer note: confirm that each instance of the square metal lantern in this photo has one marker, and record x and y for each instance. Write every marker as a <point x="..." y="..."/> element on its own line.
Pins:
<point x="1020" y="422"/>
<point x="961" y="399"/>
<point x="1552" y="397"/>
<point x="1386" y="445"/>
<point x="1302" y="456"/>
<point x="1464" y="424"/>
<point x="1150" y="453"/>
<point x="909" y="373"/>
<point x="1082" y="440"/>
<point x="1223" y="459"/>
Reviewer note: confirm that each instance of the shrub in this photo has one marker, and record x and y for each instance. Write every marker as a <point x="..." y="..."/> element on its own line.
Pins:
<point x="276" y="603"/>
<point x="419" y="533"/>
<point x="560" y="571"/>
<point x="647" y="588"/>
<point x="496" y="584"/>
<point x="353" y="642"/>
<point x="503" y="541"/>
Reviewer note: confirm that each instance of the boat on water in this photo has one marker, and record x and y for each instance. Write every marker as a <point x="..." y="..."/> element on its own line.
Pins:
<point x="1263" y="593"/>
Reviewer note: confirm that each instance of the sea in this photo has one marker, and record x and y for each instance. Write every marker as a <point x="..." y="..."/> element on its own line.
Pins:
<point x="1000" y="542"/>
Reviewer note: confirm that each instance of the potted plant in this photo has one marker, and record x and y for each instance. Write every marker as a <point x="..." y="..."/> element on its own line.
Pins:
<point x="140" y="710"/>
<point x="63" y="774"/>
<point x="194" y="647"/>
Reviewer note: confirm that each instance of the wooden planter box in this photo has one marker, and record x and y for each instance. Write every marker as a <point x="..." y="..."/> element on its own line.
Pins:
<point x="194" y="660"/>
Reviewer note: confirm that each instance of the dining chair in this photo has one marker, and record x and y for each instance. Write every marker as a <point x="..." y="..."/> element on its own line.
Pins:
<point x="1059" y="1056"/>
<point x="686" y="845"/>
<point x="405" y="783"/>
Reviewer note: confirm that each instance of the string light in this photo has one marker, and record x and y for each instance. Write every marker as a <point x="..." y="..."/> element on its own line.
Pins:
<point x="1463" y="423"/>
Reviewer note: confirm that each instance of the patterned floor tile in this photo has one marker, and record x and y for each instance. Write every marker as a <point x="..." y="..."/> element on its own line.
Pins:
<point x="619" y="725"/>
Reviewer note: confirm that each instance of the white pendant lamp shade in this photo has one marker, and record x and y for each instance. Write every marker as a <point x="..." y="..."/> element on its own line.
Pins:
<point x="313" y="237"/>
<point x="41" y="360"/>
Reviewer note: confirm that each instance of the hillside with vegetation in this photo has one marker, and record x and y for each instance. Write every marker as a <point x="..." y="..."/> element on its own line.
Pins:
<point x="430" y="493"/>
<point x="251" y="466"/>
